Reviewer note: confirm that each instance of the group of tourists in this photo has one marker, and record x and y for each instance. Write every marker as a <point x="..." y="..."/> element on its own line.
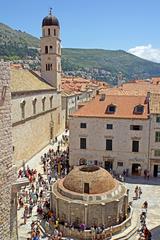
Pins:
<point x="36" y="196"/>
<point x="144" y="233"/>
<point x="138" y="192"/>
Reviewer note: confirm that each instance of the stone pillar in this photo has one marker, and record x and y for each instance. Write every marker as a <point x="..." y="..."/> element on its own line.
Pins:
<point x="69" y="212"/>
<point x="126" y="205"/>
<point x="8" y="212"/>
<point x="57" y="208"/>
<point x="117" y="203"/>
<point x="85" y="213"/>
<point x="103" y="212"/>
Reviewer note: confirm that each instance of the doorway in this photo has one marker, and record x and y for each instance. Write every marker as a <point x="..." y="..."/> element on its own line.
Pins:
<point x="86" y="188"/>
<point x="136" y="169"/>
<point x="156" y="171"/>
<point x="108" y="165"/>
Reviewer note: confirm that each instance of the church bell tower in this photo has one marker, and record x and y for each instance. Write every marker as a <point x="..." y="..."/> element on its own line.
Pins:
<point x="51" y="51"/>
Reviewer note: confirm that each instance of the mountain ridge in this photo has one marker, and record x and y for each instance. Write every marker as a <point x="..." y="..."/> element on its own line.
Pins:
<point x="96" y="63"/>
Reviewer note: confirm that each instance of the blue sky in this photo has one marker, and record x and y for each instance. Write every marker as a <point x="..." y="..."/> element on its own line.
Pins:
<point x="107" y="24"/>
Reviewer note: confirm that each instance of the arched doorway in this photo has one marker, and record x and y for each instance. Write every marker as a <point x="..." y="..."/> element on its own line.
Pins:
<point x="136" y="169"/>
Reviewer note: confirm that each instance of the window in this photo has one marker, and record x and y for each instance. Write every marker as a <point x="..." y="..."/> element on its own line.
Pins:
<point x="109" y="144"/>
<point x="22" y="104"/>
<point x="51" y="47"/>
<point x="48" y="67"/>
<point x="158" y="119"/>
<point x="157" y="153"/>
<point x="109" y="126"/>
<point x="34" y="105"/>
<point x="135" y="146"/>
<point x="136" y="127"/>
<point x="43" y="103"/>
<point x="119" y="164"/>
<point x="157" y="136"/>
<point x="111" y="109"/>
<point x="43" y="32"/>
<point x="82" y="143"/>
<point x="46" y="49"/>
<point x="139" y="109"/>
<point x="86" y="187"/>
<point x="54" y="32"/>
<point x="49" y="32"/>
<point x="51" y="101"/>
<point x="83" y="125"/>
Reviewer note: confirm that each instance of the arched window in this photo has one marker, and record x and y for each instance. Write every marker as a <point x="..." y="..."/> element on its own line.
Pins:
<point x="54" y="32"/>
<point x="51" y="48"/>
<point x="49" y="32"/>
<point x="51" y="101"/>
<point x="34" y="101"/>
<point x="48" y="67"/>
<point x="43" y="103"/>
<point x="46" y="49"/>
<point x="139" y="109"/>
<point x="111" y="109"/>
<point x="22" y="104"/>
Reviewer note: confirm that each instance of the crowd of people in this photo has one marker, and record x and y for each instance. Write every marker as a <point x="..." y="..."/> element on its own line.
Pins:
<point x="55" y="165"/>
<point x="144" y="233"/>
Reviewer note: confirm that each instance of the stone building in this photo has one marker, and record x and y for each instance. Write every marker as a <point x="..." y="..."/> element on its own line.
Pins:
<point x="89" y="195"/>
<point x="37" y="115"/>
<point x="112" y="132"/>
<point x="154" y="143"/>
<point x="8" y="206"/>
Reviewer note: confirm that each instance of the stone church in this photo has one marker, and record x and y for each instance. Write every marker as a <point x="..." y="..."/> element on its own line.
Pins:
<point x="37" y="117"/>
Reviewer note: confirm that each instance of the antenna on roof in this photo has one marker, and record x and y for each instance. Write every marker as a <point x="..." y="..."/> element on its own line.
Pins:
<point x="50" y="11"/>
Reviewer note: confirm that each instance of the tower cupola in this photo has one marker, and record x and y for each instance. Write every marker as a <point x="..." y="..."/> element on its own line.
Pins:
<point x="50" y="20"/>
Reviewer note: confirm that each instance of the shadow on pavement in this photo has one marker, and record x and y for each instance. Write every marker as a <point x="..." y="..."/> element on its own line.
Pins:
<point x="142" y="180"/>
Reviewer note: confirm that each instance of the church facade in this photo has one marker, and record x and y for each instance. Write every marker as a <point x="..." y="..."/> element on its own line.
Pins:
<point x="37" y="117"/>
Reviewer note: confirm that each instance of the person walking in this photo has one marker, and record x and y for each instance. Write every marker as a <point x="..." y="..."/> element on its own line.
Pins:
<point x="136" y="192"/>
<point x="139" y="192"/>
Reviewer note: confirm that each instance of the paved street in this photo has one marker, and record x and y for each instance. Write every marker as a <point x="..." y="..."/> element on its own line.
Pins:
<point x="151" y="194"/>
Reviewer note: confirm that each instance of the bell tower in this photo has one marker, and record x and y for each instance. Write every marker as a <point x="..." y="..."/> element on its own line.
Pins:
<point x="51" y="51"/>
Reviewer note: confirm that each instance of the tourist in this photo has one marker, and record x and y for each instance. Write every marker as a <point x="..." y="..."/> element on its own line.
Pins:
<point x="25" y="214"/>
<point x="139" y="192"/>
<point x="136" y="192"/>
<point x="148" y="175"/>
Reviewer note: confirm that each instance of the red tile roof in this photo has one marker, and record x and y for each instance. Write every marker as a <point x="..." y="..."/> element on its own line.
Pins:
<point x="124" y="107"/>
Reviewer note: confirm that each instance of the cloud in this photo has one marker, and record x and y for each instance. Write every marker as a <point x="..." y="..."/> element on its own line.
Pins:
<point x="146" y="52"/>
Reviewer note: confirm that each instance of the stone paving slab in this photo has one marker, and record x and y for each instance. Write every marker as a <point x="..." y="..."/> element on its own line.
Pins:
<point x="151" y="194"/>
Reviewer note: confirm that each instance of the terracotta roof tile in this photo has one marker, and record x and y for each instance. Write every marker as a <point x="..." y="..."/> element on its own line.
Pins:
<point x="124" y="107"/>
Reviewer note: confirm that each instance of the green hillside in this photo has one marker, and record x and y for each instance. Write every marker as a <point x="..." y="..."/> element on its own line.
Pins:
<point x="95" y="63"/>
<point x="110" y="61"/>
<point x="15" y="44"/>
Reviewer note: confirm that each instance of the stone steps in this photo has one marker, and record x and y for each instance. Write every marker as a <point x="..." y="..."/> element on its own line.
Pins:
<point x="130" y="231"/>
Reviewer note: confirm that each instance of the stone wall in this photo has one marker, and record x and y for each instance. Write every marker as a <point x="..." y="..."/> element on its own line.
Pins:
<point x="33" y="132"/>
<point x="7" y="171"/>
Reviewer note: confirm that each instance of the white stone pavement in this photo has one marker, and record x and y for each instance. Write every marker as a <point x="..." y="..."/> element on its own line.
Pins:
<point x="151" y="194"/>
<point x="34" y="163"/>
